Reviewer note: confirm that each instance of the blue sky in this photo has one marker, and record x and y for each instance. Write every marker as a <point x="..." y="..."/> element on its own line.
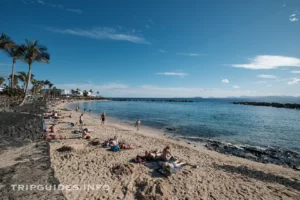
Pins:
<point x="162" y="48"/>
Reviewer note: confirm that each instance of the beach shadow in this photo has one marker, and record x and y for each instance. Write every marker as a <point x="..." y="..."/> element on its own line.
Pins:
<point x="156" y="174"/>
<point x="259" y="175"/>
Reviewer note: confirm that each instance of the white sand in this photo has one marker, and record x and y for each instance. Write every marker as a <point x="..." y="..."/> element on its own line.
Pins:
<point x="95" y="165"/>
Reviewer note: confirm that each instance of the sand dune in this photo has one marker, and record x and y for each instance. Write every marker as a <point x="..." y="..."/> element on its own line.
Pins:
<point x="210" y="175"/>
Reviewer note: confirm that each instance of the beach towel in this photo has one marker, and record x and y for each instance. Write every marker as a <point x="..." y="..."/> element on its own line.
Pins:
<point x="52" y="120"/>
<point x="152" y="165"/>
<point x="168" y="171"/>
<point x="76" y="132"/>
<point x="71" y="125"/>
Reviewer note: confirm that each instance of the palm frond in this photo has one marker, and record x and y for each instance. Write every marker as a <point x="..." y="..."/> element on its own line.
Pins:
<point x="6" y="42"/>
<point x="43" y="57"/>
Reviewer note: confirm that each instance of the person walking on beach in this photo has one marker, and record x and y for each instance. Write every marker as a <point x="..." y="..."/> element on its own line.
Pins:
<point x="84" y="109"/>
<point x="77" y="108"/>
<point x="103" y="116"/>
<point x="138" y="124"/>
<point x="81" y="121"/>
<point x="90" y="110"/>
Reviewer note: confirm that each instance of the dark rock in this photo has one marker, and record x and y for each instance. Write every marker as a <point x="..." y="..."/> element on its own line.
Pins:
<point x="281" y="157"/>
<point x="273" y="104"/>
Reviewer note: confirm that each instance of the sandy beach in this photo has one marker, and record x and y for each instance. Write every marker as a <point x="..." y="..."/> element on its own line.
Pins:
<point x="209" y="175"/>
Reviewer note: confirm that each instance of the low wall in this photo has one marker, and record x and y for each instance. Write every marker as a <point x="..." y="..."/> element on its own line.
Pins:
<point x="20" y="134"/>
<point x="20" y="127"/>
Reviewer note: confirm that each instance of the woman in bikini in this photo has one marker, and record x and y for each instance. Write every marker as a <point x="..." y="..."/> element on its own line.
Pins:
<point x="128" y="146"/>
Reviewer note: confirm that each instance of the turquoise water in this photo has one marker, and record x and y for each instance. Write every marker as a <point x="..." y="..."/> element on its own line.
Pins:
<point x="215" y="119"/>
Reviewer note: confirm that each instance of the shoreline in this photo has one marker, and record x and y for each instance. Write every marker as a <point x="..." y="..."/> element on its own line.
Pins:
<point x="289" y="158"/>
<point x="210" y="175"/>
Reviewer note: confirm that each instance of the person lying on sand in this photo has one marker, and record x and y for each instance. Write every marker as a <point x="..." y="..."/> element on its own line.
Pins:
<point x="85" y="134"/>
<point x="52" y="129"/>
<point x="54" y="137"/>
<point x="165" y="155"/>
<point x="113" y="142"/>
<point x="151" y="155"/>
<point x="128" y="146"/>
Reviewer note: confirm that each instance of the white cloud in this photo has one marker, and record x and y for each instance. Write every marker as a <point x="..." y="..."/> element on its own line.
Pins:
<point x="266" y="76"/>
<point x="284" y="5"/>
<point x="190" y="54"/>
<point x="180" y="74"/>
<point x="293" y="15"/>
<point x="236" y="87"/>
<point x="162" y="51"/>
<point x="295" y="72"/>
<point x="225" y="81"/>
<point x="293" y="19"/>
<point x="103" y="33"/>
<point x="294" y="81"/>
<point x="78" y="11"/>
<point x="270" y="62"/>
<point x="269" y="85"/>
<point x="147" y="26"/>
<point x="74" y="10"/>
<point x="40" y="2"/>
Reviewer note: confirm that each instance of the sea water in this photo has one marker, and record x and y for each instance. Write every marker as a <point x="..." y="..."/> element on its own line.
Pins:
<point x="215" y="119"/>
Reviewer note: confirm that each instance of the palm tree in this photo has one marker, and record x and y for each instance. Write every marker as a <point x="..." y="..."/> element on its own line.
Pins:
<point x="85" y="93"/>
<point x="91" y="91"/>
<point x="1" y="81"/>
<point x="14" y="80"/>
<point x="45" y="83"/>
<point x="33" y="53"/>
<point x="36" y="85"/>
<point x="5" y="42"/>
<point x="78" y="91"/>
<point x="98" y="93"/>
<point x="22" y="76"/>
<point x="16" y="53"/>
<point x="73" y="91"/>
<point x="50" y="85"/>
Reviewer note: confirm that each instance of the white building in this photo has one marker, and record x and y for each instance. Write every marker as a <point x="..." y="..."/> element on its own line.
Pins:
<point x="65" y="92"/>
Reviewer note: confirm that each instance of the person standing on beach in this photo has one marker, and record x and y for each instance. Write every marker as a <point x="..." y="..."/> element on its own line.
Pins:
<point x="138" y="124"/>
<point x="103" y="116"/>
<point x="84" y="109"/>
<point x="77" y="108"/>
<point x="81" y="121"/>
<point x="90" y="110"/>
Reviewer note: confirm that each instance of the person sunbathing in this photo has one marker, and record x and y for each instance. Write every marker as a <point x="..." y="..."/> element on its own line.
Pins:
<point x="113" y="142"/>
<point x="85" y="134"/>
<point x="151" y="155"/>
<point x="128" y="146"/>
<point x="54" y="137"/>
<point x="52" y="129"/>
